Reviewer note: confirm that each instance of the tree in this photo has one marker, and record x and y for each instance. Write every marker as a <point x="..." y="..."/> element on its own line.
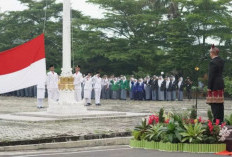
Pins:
<point x="135" y="37"/>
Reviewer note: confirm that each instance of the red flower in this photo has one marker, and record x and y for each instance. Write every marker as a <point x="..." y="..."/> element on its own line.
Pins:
<point x="223" y="124"/>
<point x="166" y="121"/>
<point x="200" y="119"/>
<point x="217" y="121"/>
<point x="153" y="118"/>
<point x="210" y="125"/>
<point x="156" y="119"/>
<point x="150" y="119"/>
<point x="191" y="121"/>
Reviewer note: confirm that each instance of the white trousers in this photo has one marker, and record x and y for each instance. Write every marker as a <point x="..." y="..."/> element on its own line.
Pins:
<point x="39" y="102"/>
<point x="88" y="100"/>
<point x="97" y="95"/>
<point x="53" y="94"/>
<point x="78" y="94"/>
<point x="87" y="95"/>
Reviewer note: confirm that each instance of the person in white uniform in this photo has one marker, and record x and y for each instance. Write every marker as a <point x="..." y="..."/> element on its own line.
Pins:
<point x="78" y="79"/>
<point x="88" y="86"/>
<point x="40" y="94"/>
<point x="97" y="88"/>
<point x="52" y="84"/>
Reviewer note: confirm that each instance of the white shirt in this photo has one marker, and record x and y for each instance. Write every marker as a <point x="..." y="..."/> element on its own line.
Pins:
<point x="97" y="82"/>
<point x="160" y="82"/>
<point x="88" y="83"/>
<point x="105" y="82"/>
<point x="167" y="83"/>
<point x="41" y="85"/>
<point x="52" y="80"/>
<point x="130" y="84"/>
<point x="179" y="83"/>
<point x="78" y="79"/>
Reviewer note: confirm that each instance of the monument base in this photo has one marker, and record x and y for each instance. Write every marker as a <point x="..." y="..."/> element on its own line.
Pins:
<point x="67" y="105"/>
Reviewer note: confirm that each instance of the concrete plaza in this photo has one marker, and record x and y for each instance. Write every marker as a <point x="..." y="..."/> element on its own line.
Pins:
<point x="18" y="130"/>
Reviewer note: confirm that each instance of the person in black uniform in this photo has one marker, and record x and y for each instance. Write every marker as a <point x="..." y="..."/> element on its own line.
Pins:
<point x="154" y="88"/>
<point x="173" y="88"/>
<point x="188" y="84"/>
<point x="215" y="97"/>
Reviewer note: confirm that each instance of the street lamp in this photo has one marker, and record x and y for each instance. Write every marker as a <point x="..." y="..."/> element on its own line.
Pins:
<point x="196" y="69"/>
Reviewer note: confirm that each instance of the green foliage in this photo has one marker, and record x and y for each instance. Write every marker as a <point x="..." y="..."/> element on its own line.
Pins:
<point x="193" y="133"/>
<point x="171" y="132"/>
<point x="161" y="115"/>
<point x="154" y="133"/>
<point x="228" y="85"/>
<point x="210" y="115"/>
<point x="140" y="131"/>
<point x="180" y="128"/>
<point x="193" y="114"/>
<point x="228" y="119"/>
<point x="178" y="117"/>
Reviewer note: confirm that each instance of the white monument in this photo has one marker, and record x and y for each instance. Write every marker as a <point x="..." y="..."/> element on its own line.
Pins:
<point x="66" y="69"/>
<point x="67" y="103"/>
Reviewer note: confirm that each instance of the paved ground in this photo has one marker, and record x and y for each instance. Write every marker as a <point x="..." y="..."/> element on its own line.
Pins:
<point x="19" y="104"/>
<point x="115" y="151"/>
<point x="14" y="130"/>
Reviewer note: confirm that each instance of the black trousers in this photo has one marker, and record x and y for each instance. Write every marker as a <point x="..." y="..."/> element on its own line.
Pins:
<point x="189" y="94"/>
<point x="218" y="111"/>
<point x="140" y="95"/>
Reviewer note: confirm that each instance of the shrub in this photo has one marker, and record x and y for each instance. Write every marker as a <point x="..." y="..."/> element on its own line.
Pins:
<point x="161" y="115"/>
<point x="178" y="128"/>
<point x="228" y="85"/>
<point x="193" y="114"/>
<point x="228" y="120"/>
<point x="193" y="133"/>
<point x="139" y="132"/>
<point x="210" y="115"/>
<point x="154" y="133"/>
<point x="171" y="132"/>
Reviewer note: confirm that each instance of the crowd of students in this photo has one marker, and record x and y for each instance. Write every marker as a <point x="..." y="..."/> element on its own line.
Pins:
<point x="157" y="88"/>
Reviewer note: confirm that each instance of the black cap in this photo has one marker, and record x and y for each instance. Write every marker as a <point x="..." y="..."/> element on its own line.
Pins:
<point x="51" y="65"/>
<point x="78" y="66"/>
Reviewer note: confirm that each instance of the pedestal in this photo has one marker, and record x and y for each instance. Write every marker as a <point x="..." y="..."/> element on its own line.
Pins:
<point x="67" y="105"/>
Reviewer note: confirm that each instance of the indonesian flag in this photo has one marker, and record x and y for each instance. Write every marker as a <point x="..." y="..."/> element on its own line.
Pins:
<point x="23" y="66"/>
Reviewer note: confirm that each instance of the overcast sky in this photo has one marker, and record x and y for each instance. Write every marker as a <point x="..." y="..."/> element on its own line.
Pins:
<point x="81" y="5"/>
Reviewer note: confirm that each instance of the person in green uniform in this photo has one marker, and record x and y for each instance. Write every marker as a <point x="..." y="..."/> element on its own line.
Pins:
<point x="124" y="84"/>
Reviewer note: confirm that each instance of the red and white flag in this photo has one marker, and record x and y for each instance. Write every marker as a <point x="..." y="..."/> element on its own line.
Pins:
<point x="23" y="66"/>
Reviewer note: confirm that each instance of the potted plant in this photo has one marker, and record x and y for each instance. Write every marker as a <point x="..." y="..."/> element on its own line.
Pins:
<point x="177" y="132"/>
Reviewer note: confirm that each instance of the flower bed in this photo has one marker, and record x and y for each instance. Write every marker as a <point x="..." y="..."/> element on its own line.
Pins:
<point x="178" y="132"/>
<point x="180" y="147"/>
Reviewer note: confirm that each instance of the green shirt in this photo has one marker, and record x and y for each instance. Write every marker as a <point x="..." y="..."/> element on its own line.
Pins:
<point x="115" y="85"/>
<point x="124" y="84"/>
